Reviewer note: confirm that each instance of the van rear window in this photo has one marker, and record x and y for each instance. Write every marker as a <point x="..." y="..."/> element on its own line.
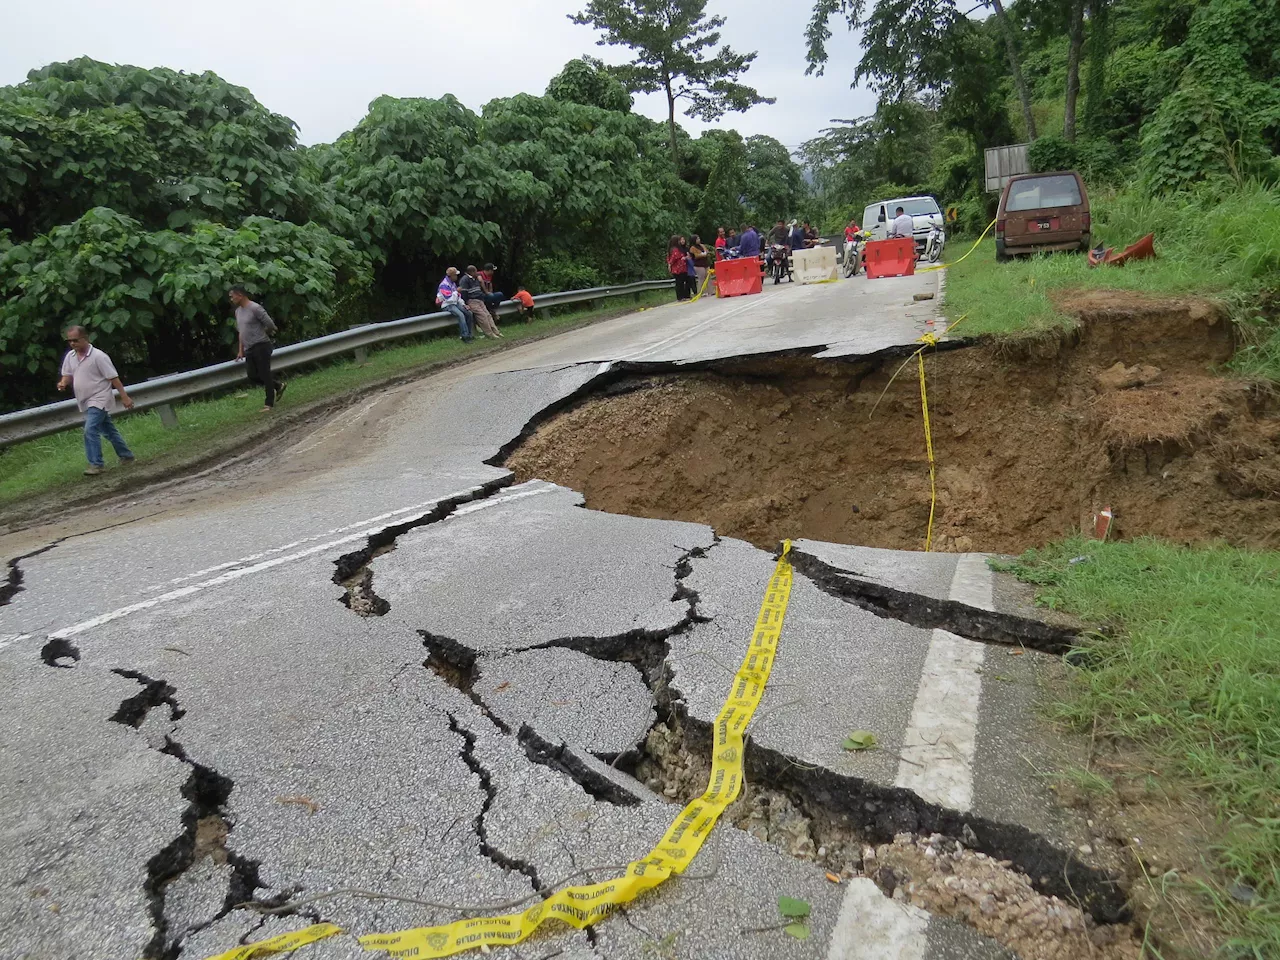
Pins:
<point x="1041" y="192"/>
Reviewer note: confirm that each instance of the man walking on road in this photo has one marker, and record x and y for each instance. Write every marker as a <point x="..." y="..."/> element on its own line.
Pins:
<point x="255" y="328"/>
<point x="93" y="376"/>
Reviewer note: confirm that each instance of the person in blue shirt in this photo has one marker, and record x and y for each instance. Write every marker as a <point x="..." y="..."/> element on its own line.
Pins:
<point x="749" y="242"/>
<point x="796" y="238"/>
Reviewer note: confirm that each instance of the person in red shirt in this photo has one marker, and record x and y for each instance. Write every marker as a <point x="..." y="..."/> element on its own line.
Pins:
<point x="851" y="231"/>
<point x="677" y="263"/>
<point x="721" y="243"/>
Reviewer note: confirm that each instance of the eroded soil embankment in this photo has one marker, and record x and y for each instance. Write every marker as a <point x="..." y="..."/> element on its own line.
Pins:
<point x="1030" y="441"/>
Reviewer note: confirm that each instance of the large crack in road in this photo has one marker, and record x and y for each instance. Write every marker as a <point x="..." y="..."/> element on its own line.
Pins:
<point x="840" y="823"/>
<point x="850" y="825"/>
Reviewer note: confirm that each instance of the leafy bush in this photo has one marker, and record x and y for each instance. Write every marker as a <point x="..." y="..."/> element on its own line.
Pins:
<point x="549" y="274"/>
<point x="157" y="299"/>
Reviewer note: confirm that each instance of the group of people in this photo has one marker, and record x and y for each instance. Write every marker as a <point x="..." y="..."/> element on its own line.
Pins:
<point x="689" y="261"/>
<point x="469" y="296"/>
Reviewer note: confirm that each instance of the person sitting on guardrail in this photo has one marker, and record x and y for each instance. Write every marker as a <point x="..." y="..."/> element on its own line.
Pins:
<point x="525" y="299"/>
<point x="255" y="329"/>
<point x="448" y="300"/>
<point x="472" y="292"/>
<point x="492" y="298"/>
<point x="92" y="375"/>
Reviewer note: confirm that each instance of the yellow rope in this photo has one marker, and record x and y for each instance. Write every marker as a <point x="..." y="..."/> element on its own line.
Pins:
<point x="940" y="266"/>
<point x="928" y="445"/>
<point x="929" y="340"/>
<point x="705" y="280"/>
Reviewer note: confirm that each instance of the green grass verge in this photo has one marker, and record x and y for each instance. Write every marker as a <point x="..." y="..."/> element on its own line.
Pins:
<point x="56" y="462"/>
<point x="1221" y="246"/>
<point x="1190" y="672"/>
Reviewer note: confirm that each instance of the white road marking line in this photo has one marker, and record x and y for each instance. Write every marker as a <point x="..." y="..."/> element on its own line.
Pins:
<point x="240" y="572"/>
<point x="971" y="584"/>
<point x="870" y="926"/>
<point x="941" y="738"/>
<point x="684" y="335"/>
<point x="517" y="494"/>
<point x="241" y="561"/>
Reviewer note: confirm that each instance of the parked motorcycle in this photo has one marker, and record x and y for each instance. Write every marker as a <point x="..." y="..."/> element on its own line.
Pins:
<point x="934" y="244"/>
<point x="853" y="253"/>
<point x="780" y="263"/>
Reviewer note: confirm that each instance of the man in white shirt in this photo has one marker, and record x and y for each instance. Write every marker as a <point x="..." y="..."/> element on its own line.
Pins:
<point x="903" y="227"/>
<point x="93" y="375"/>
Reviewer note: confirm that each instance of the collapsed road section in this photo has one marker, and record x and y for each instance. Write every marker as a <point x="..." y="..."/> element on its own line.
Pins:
<point x="1032" y="438"/>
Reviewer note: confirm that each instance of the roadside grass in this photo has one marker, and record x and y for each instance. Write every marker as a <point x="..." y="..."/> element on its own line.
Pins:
<point x="205" y="425"/>
<point x="1187" y="669"/>
<point x="1222" y="246"/>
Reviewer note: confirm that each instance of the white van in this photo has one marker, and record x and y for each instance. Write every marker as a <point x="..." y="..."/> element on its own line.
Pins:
<point x="924" y="212"/>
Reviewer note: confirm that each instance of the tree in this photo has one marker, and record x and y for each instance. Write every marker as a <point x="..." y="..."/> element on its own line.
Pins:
<point x="908" y="45"/>
<point x="588" y="81"/>
<point x="1075" y="43"/>
<point x="674" y="45"/>
<point x="1015" y="68"/>
<point x="131" y="198"/>
<point x="774" y="183"/>
<point x="164" y="147"/>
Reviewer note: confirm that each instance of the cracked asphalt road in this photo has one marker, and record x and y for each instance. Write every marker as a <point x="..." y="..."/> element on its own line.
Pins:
<point x="195" y="718"/>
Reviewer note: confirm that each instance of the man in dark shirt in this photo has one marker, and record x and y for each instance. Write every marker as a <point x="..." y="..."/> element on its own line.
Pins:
<point x="255" y="328"/>
<point x="778" y="234"/>
<point x="749" y="242"/>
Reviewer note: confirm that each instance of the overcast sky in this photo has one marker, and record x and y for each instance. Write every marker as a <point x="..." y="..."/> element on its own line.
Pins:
<point x="321" y="62"/>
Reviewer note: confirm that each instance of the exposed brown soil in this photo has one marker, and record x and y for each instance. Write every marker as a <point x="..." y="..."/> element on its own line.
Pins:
<point x="1031" y="438"/>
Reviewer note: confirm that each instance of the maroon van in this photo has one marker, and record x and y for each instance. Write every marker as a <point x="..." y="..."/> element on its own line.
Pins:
<point x="1042" y="211"/>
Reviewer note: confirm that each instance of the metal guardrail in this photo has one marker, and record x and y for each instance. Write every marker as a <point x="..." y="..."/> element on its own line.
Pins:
<point x="161" y="391"/>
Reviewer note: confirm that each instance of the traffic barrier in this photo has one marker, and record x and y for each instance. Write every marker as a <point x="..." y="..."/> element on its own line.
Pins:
<point x="735" y="278"/>
<point x="817" y="265"/>
<point x="891" y="258"/>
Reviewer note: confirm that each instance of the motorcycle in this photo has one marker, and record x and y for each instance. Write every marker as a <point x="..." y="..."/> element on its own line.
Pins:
<point x="780" y="263"/>
<point x="933" y="245"/>
<point x="853" y="253"/>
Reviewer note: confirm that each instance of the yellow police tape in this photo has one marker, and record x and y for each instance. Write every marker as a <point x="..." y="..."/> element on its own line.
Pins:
<point x="941" y="266"/>
<point x="584" y="905"/>
<point x="281" y="944"/>
<point x="711" y="275"/>
<point x="928" y="446"/>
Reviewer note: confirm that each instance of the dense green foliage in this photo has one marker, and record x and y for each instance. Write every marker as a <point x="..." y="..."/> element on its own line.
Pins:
<point x="130" y="199"/>
<point x="1173" y="94"/>
<point x="674" y="53"/>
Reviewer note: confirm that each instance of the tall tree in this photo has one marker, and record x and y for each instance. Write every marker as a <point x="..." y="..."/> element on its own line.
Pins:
<point x="1075" y="43"/>
<point x="674" y="45"/>
<point x="1015" y="67"/>
<point x="1095" y="79"/>
<point x="906" y="43"/>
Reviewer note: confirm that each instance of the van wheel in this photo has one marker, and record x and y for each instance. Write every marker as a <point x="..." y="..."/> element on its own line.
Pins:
<point x="1001" y="256"/>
